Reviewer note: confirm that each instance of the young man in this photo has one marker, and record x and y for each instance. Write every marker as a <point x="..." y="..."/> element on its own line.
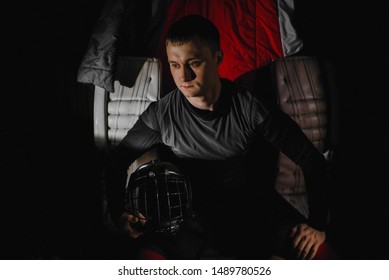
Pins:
<point x="211" y="125"/>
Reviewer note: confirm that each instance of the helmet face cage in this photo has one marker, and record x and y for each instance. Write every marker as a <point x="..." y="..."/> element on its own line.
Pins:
<point x="160" y="196"/>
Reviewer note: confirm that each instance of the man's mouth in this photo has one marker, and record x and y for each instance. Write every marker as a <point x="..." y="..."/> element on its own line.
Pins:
<point x="186" y="85"/>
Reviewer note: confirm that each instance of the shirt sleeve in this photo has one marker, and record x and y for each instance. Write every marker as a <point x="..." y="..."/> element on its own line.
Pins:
<point x="285" y="134"/>
<point x="139" y="139"/>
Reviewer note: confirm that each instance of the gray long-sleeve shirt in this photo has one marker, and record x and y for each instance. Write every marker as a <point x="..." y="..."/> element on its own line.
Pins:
<point x="218" y="143"/>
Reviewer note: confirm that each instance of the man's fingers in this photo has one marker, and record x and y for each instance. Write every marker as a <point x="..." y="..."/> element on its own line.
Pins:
<point x="300" y="247"/>
<point x="312" y="252"/>
<point x="304" y="251"/>
<point x="130" y="223"/>
<point x="296" y="231"/>
<point x="133" y="219"/>
<point x="306" y="241"/>
<point x="298" y="239"/>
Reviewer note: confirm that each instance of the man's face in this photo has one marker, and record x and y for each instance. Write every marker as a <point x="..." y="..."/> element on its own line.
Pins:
<point x="193" y="67"/>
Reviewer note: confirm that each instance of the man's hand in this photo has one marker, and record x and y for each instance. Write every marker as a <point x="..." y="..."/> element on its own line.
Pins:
<point x="128" y="224"/>
<point x="306" y="240"/>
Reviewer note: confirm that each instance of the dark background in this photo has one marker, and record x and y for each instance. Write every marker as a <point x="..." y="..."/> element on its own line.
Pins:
<point x="50" y="189"/>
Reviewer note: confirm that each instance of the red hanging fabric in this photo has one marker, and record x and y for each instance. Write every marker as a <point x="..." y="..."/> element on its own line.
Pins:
<point x="250" y="33"/>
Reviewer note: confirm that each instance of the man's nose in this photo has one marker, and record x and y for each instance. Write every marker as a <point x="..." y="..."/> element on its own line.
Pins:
<point x="188" y="74"/>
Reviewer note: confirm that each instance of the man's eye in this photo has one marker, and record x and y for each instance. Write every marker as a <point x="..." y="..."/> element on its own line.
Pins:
<point x="195" y="63"/>
<point x="174" y="66"/>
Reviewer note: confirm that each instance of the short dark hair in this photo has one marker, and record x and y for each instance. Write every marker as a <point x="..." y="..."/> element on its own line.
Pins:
<point x="192" y="27"/>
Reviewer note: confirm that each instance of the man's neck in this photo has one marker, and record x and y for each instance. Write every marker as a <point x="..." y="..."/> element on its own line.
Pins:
<point x="208" y="101"/>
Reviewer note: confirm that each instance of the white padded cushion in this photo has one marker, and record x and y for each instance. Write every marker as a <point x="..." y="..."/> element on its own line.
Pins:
<point x="133" y="107"/>
<point x="122" y="121"/>
<point x="126" y="103"/>
<point x="301" y="94"/>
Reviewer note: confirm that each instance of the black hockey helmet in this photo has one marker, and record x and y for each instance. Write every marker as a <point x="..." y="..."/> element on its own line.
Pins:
<point x="160" y="195"/>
